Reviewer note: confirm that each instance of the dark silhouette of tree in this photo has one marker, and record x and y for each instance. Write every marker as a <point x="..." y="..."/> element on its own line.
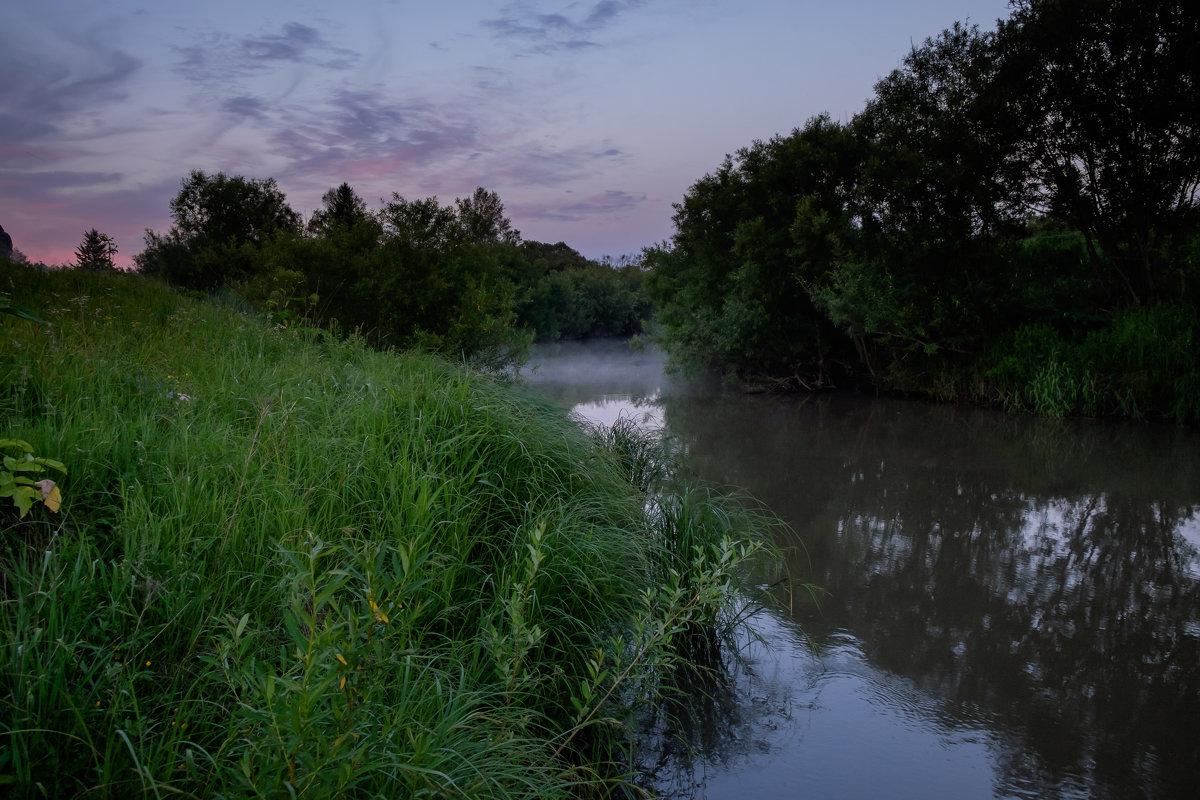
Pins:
<point x="221" y="225"/>
<point x="343" y="209"/>
<point x="419" y="224"/>
<point x="96" y="251"/>
<point x="1108" y="93"/>
<point x="481" y="218"/>
<point x="220" y="210"/>
<point x="730" y="288"/>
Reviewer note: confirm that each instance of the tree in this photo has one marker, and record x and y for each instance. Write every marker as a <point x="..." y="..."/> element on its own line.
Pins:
<point x="731" y="287"/>
<point x="943" y="162"/>
<point x="96" y="251"/>
<point x="419" y="224"/>
<point x="940" y="181"/>
<point x="1108" y="92"/>
<point x="343" y="209"/>
<point x="221" y="225"/>
<point x="481" y="218"/>
<point x="221" y="210"/>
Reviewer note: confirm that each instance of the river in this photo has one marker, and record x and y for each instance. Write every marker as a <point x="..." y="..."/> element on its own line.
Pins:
<point x="1009" y="606"/>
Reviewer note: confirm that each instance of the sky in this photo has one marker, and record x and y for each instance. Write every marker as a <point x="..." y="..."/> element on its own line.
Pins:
<point x="589" y="119"/>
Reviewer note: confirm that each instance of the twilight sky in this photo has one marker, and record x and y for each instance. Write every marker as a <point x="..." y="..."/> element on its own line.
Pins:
<point x="589" y="119"/>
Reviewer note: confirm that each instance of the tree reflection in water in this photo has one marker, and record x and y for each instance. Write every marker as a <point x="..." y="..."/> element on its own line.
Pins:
<point x="1041" y="573"/>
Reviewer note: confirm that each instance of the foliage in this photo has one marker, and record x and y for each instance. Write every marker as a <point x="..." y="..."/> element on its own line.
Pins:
<point x="452" y="278"/>
<point x="1141" y="363"/>
<point x="1042" y="176"/>
<point x="16" y="483"/>
<point x="221" y="223"/>
<point x="1106" y="95"/>
<point x="566" y="296"/>
<point x="96" y="251"/>
<point x="730" y="287"/>
<point x="342" y="210"/>
<point x="482" y="221"/>
<point x="20" y="312"/>
<point x="296" y="565"/>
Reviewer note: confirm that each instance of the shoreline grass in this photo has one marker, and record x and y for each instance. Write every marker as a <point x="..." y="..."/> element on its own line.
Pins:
<point x="291" y="567"/>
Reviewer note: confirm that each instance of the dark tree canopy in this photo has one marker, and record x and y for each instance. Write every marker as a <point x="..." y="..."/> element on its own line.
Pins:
<point x="96" y="251"/>
<point x="481" y="218"/>
<point x="419" y="224"/>
<point x="221" y="225"/>
<point x="1108" y="92"/>
<point x="944" y="162"/>
<point x="1013" y="216"/>
<point x="220" y="210"/>
<point x="342" y="209"/>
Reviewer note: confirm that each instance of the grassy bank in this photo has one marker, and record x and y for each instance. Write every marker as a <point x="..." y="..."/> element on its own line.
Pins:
<point x="289" y="567"/>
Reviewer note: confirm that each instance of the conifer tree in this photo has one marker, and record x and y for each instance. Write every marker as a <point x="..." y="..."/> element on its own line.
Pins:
<point x="96" y="251"/>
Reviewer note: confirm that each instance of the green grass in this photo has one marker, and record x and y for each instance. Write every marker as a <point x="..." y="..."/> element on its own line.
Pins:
<point x="1144" y="364"/>
<point x="290" y="567"/>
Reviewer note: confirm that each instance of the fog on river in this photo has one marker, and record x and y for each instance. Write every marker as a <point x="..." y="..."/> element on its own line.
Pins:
<point x="1009" y="606"/>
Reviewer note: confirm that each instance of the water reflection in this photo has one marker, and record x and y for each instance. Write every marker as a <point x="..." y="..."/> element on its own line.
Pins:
<point x="1011" y="609"/>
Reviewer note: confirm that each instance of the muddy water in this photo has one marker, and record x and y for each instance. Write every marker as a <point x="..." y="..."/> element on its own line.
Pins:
<point x="1009" y="606"/>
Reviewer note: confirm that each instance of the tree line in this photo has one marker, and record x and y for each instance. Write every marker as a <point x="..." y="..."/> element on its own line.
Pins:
<point x="454" y="278"/>
<point x="1011" y="218"/>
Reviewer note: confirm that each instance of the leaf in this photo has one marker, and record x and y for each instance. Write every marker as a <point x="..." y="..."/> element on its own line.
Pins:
<point x="9" y="307"/>
<point x="51" y="496"/>
<point x="25" y="464"/>
<point x="53" y="464"/>
<point x="23" y="497"/>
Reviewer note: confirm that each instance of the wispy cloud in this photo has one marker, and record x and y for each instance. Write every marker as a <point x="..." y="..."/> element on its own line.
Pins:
<point x="611" y="203"/>
<point x="536" y="164"/>
<point x="245" y="105"/>
<point x="218" y="58"/>
<point x="525" y="25"/>
<point x="355" y="133"/>
<point x="381" y="134"/>
<point x="32" y="186"/>
<point x="43" y="92"/>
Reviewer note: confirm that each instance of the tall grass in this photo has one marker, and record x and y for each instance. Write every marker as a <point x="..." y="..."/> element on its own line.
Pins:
<point x="289" y="567"/>
<point x="1145" y="363"/>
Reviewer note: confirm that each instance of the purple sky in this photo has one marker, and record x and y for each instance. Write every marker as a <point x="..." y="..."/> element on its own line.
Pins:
<point x="589" y="119"/>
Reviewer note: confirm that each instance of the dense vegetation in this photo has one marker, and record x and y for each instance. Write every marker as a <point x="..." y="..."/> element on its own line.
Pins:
<point x="1011" y="219"/>
<point x="287" y="564"/>
<point x="456" y="279"/>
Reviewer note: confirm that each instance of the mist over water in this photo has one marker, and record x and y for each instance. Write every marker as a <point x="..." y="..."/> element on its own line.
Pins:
<point x="1010" y="605"/>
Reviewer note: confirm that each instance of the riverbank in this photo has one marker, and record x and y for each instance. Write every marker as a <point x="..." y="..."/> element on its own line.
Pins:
<point x="287" y="564"/>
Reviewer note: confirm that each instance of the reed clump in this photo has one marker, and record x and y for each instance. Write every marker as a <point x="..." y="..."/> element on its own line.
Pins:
<point x="286" y="566"/>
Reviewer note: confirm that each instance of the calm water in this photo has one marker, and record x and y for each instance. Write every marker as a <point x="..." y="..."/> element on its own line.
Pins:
<point x="1010" y="606"/>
